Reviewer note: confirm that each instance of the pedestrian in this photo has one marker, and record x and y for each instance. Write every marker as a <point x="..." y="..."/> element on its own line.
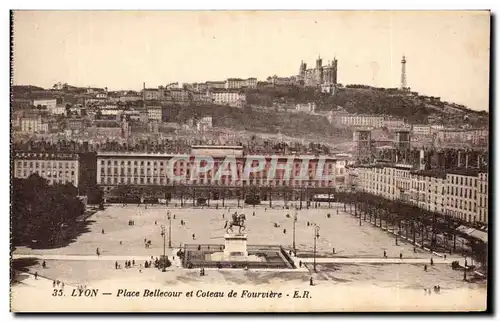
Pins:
<point x="444" y="256"/>
<point x="425" y="267"/>
<point x="174" y="216"/>
<point x="156" y="223"/>
<point x="311" y="281"/>
<point x="300" y="263"/>
<point x="254" y="213"/>
<point x="54" y="284"/>
<point x="400" y="255"/>
<point x="36" y="275"/>
<point x="385" y="254"/>
<point x="432" y="262"/>
<point x="333" y="250"/>
<point x="44" y="265"/>
<point x="116" y="265"/>
<point x="62" y="285"/>
<point x="97" y="251"/>
<point x="102" y="231"/>
<point x="133" y="262"/>
<point x="140" y="270"/>
<point x="121" y="243"/>
<point x="284" y="231"/>
<point x="58" y="282"/>
<point x="193" y="236"/>
<point x="414" y="249"/>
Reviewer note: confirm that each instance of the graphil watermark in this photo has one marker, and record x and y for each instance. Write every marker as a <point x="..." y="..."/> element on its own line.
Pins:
<point x="181" y="168"/>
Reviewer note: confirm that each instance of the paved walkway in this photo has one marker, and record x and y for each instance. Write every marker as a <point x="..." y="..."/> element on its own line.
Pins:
<point x="28" y="279"/>
<point x="176" y="262"/>
<point x="354" y="260"/>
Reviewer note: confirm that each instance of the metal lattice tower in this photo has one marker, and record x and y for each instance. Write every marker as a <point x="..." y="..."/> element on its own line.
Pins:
<point x="403" y="73"/>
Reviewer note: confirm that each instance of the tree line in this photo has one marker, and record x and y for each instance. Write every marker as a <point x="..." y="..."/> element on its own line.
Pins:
<point x="42" y="214"/>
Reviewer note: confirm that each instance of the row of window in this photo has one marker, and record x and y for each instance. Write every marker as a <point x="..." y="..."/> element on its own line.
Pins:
<point x="161" y="172"/>
<point x="26" y="173"/>
<point x="46" y="164"/>
<point x="381" y="174"/>
<point x="141" y="180"/>
<point x="182" y="163"/>
<point x="468" y="181"/>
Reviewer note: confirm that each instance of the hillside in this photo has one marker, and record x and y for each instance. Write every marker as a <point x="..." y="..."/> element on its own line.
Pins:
<point x="260" y="120"/>
<point x="361" y="99"/>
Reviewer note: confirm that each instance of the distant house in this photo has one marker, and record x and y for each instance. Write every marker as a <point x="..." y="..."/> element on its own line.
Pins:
<point x="49" y="104"/>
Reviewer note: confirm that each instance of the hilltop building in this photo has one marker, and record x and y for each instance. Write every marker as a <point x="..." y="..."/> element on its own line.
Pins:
<point x="320" y="75"/>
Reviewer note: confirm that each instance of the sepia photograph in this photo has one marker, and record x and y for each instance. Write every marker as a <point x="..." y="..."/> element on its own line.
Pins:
<point x="249" y="161"/>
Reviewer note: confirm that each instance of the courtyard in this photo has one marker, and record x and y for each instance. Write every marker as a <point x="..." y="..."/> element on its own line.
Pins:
<point x="109" y="230"/>
<point x="117" y="240"/>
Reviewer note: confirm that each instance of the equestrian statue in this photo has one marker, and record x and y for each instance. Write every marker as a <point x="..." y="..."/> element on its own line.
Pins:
<point x="237" y="220"/>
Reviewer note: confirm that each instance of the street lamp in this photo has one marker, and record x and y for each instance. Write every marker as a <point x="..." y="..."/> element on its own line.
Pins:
<point x="163" y="259"/>
<point x="465" y="266"/>
<point x="169" y="217"/>
<point x="294" y="221"/>
<point x="316" y="236"/>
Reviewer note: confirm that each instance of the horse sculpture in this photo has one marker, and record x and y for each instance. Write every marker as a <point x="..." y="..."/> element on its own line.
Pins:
<point x="237" y="220"/>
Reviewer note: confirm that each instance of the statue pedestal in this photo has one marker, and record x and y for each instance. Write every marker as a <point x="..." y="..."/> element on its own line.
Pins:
<point x="235" y="250"/>
<point x="235" y="246"/>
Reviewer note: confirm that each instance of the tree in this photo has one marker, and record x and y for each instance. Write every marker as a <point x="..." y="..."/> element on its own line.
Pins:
<point x="41" y="213"/>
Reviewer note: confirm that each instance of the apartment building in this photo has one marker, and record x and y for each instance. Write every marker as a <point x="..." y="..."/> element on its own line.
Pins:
<point x="233" y="98"/>
<point x="34" y="125"/>
<point x="155" y="113"/>
<point x="461" y="199"/>
<point x="362" y="120"/>
<point x="482" y="196"/>
<point x="458" y="193"/>
<point x="54" y="167"/>
<point x="115" y="168"/>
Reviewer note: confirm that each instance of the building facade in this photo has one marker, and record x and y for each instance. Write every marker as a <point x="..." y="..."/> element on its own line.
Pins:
<point x="54" y="167"/>
<point x="49" y="104"/>
<point x="309" y="108"/>
<point x="115" y="168"/>
<point x="233" y="98"/>
<point x="155" y="113"/>
<point x="319" y="75"/>
<point x="34" y="125"/>
<point x="376" y="121"/>
<point x="237" y="83"/>
<point x="462" y="194"/>
<point x="151" y="94"/>
<point x="482" y="196"/>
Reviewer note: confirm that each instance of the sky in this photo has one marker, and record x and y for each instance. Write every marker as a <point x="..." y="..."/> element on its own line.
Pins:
<point x="447" y="53"/>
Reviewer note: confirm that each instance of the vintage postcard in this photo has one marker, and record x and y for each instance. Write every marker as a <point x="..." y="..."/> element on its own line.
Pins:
<point x="249" y="161"/>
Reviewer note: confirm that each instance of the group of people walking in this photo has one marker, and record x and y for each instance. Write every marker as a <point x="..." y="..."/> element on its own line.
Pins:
<point x="428" y="291"/>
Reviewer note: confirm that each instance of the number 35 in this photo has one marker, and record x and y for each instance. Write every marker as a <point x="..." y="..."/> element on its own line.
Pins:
<point x="57" y="293"/>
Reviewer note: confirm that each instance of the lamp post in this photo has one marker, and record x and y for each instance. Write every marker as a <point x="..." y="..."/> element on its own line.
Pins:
<point x="316" y="236"/>
<point x="163" y="259"/>
<point x="465" y="266"/>
<point x="294" y="221"/>
<point x="169" y="217"/>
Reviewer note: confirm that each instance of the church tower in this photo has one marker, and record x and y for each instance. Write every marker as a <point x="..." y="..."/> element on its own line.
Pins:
<point x="334" y="71"/>
<point x="319" y="71"/>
